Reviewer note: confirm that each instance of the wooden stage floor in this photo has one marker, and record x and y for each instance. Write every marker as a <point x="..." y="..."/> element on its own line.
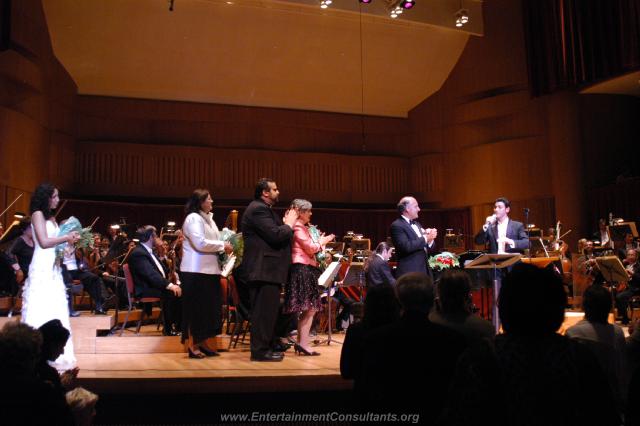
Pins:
<point x="232" y="371"/>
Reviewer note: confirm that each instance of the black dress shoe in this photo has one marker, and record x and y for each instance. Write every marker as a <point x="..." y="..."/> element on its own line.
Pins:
<point x="170" y="333"/>
<point x="74" y="314"/>
<point x="195" y="355"/>
<point x="99" y="311"/>
<point x="281" y="347"/>
<point x="268" y="357"/>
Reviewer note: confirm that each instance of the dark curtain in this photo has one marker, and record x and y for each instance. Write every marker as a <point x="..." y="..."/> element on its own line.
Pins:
<point x="572" y="43"/>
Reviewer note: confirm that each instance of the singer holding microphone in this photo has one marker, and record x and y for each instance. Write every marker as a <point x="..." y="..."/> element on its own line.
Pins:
<point x="503" y="234"/>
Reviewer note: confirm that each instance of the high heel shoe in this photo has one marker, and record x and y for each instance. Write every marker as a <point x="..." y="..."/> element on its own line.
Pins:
<point x="208" y="352"/>
<point x="302" y="351"/>
<point x="198" y="355"/>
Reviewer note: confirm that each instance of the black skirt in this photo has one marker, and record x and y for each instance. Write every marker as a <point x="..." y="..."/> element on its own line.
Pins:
<point x="201" y="306"/>
<point x="302" y="291"/>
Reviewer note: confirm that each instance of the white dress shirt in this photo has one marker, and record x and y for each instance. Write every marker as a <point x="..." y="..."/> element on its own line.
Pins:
<point x="201" y="245"/>
<point x="415" y="228"/>
<point x="502" y="233"/>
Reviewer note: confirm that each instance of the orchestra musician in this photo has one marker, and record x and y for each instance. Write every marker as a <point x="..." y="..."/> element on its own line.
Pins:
<point x="376" y="268"/>
<point x="151" y="278"/>
<point x="501" y="233"/>
<point x="302" y="292"/>
<point x="632" y="266"/>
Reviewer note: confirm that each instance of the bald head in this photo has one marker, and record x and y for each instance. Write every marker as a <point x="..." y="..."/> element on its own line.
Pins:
<point x="408" y="207"/>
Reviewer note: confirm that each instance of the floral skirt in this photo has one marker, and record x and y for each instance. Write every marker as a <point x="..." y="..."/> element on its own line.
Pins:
<point x="302" y="291"/>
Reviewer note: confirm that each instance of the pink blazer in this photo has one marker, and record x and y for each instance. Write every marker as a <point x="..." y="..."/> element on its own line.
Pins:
<point x="303" y="249"/>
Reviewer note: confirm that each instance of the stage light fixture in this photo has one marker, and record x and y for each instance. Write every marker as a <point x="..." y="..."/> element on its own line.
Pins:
<point x="407" y="4"/>
<point x="325" y="3"/>
<point x="462" y="17"/>
<point x="365" y="1"/>
<point x="396" y="12"/>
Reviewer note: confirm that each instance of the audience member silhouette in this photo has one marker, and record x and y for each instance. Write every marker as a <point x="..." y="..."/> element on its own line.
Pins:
<point x="24" y="398"/>
<point x="537" y="377"/>
<point x="408" y="365"/>
<point x="605" y="340"/>
<point x="454" y="307"/>
<point x="380" y="308"/>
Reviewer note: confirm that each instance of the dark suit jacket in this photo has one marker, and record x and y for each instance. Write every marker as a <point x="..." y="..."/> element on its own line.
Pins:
<point x="147" y="277"/>
<point x="267" y="244"/>
<point x="410" y="249"/>
<point x="379" y="272"/>
<point x="515" y="231"/>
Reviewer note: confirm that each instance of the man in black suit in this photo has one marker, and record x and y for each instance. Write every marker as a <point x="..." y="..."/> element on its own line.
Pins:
<point x="150" y="278"/>
<point x="412" y="242"/>
<point x="267" y="256"/>
<point x="377" y="269"/>
<point x="503" y="234"/>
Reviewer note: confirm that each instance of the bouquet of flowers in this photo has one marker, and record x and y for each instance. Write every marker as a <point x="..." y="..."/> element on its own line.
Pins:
<point x="70" y="225"/>
<point x="443" y="260"/>
<point x="231" y="261"/>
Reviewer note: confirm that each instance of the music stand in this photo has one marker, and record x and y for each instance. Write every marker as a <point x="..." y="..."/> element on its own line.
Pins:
<point x="117" y="251"/>
<point x="326" y="281"/>
<point x="495" y="262"/>
<point x="355" y="276"/>
<point x="612" y="269"/>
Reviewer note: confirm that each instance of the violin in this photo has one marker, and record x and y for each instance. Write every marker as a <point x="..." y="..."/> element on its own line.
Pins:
<point x="562" y="246"/>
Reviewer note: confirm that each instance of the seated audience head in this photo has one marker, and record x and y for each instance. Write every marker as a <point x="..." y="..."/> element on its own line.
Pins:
<point x="54" y="337"/>
<point x="632" y="257"/>
<point x="532" y="301"/>
<point x="415" y="292"/>
<point x="454" y="291"/>
<point x="596" y="302"/>
<point x="380" y="306"/>
<point x="20" y="347"/>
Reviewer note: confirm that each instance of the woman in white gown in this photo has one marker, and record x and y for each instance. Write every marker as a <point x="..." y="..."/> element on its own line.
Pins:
<point x="44" y="296"/>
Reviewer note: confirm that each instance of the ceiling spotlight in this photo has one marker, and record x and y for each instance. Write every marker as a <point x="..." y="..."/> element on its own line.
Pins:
<point x="395" y="12"/>
<point x="407" y="4"/>
<point x="365" y="1"/>
<point x="462" y="17"/>
<point x="325" y="3"/>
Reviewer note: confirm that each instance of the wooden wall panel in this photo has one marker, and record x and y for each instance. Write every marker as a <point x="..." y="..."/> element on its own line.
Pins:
<point x="36" y="108"/>
<point x="226" y="126"/>
<point x="174" y="171"/>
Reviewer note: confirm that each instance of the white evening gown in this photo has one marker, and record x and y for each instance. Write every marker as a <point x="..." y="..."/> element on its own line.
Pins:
<point x="44" y="297"/>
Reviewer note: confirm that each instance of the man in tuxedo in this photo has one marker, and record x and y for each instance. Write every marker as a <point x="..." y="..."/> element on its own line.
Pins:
<point x="412" y="242"/>
<point x="267" y="256"/>
<point x="150" y="279"/>
<point x="503" y="234"/>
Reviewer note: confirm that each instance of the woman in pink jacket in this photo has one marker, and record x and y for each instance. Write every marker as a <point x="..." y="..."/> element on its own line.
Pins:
<point x="302" y="293"/>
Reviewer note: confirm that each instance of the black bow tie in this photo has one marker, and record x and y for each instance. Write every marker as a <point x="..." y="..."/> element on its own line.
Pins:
<point x="412" y="222"/>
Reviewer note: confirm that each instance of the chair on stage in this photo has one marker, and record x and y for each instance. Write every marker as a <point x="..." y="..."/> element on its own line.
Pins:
<point x="132" y="299"/>
<point x="241" y="315"/>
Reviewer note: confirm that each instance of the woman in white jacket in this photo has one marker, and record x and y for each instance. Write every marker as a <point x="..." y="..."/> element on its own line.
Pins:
<point x="200" y="276"/>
